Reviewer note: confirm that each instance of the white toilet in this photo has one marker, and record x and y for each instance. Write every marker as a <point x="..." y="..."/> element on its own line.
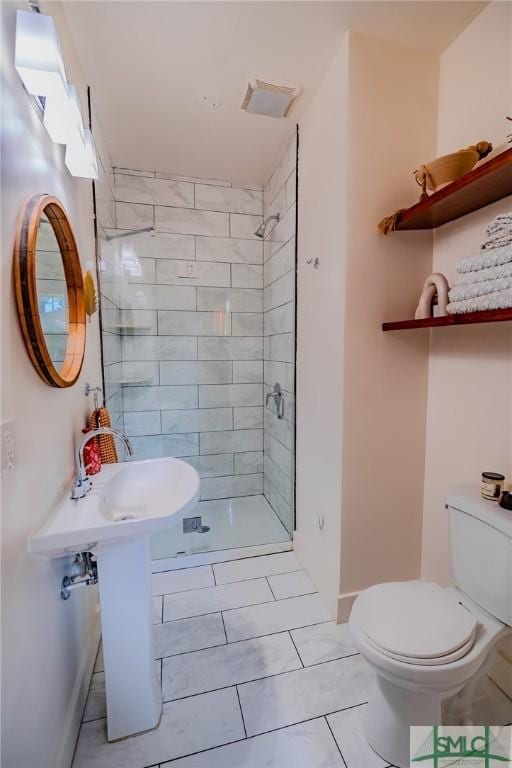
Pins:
<point x="427" y="643"/>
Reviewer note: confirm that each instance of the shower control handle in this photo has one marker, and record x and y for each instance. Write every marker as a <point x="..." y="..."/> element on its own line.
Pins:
<point x="277" y="396"/>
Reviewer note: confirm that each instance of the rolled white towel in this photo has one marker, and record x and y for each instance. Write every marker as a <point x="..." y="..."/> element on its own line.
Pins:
<point x="498" y="300"/>
<point x="494" y="257"/>
<point x="482" y="275"/>
<point x="471" y="291"/>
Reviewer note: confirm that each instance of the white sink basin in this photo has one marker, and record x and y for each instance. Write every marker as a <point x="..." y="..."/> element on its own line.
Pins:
<point x="126" y="500"/>
<point x="127" y="503"/>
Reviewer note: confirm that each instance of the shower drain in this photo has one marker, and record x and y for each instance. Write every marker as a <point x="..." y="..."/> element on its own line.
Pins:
<point x="194" y="525"/>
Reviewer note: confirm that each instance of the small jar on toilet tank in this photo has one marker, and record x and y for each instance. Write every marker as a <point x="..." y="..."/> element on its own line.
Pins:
<point x="492" y="485"/>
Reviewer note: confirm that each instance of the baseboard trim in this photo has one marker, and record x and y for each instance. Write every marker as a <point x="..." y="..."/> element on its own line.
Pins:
<point x="71" y="725"/>
<point x="345" y="603"/>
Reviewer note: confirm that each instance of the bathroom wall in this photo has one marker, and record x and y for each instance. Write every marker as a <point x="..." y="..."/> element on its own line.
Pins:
<point x="192" y="293"/>
<point x="361" y="393"/>
<point x="320" y="322"/>
<point x="48" y="645"/>
<point x="469" y="412"/>
<point x="391" y="130"/>
<point x="279" y="196"/>
<point x="470" y="394"/>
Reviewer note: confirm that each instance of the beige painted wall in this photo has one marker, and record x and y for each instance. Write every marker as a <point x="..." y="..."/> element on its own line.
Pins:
<point x="391" y="129"/>
<point x="469" y="413"/>
<point x="47" y="644"/>
<point x="320" y="307"/>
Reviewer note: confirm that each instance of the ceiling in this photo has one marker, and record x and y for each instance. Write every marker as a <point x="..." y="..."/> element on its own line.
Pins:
<point x="147" y="62"/>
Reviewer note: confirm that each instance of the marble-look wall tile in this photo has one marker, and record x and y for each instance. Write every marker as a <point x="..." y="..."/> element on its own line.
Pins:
<point x="144" y="373"/>
<point x="230" y="348"/>
<point x="137" y="189"/>
<point x="151" y="297"/>
<point x="279" y="320"/>
<point x="133" y="172"/>
<point x="230" y="299"/>
<point x="201" y="372"/>
<point x="186" y="221"/>
<point x="248" y="417"/>
<point x="247" y="324"/>
<point x="226" y="487"/>
<point x="282" y="347"/>
<point x="205" y="273"/>
<point x="230" y="395"/>
<point x="280" y="263"/>
<point x="197" y="420"/>
<point x="193" y="323"/>
<point x="247" y="371"/>
<point x="230" y="199"/>
<point x="247" y="275"/>
<point x="193" y="179"/>
<point x="244" y="226"/>
<point x="280" y="292"/>
<point x="143" y="271"/>
<point x="163" y="398"/>
<point x="229" y="249"/>
<point x="155" y="446"/>
<point x="142" y="423"/>
<point x="279" y="479"/>
<point x="134" y="216"/>
<point x="213" y="466"/>
<point x="159" y="348"/>
<point x="137" y="322"/>
<point x="283" y="373"/>
<point x="236" y="441"/>
<point x="248" y="463"/>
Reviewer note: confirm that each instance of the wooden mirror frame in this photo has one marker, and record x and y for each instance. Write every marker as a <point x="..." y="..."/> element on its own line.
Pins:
<point x="26" y="290"/>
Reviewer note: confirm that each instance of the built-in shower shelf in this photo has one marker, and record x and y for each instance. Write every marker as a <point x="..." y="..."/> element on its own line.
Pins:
<point x="120" y="382"/>
<point x="470" y="318"/>
<point x="128" y="328"/>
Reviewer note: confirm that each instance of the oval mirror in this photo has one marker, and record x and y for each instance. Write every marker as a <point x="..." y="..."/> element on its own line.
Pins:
<point x="49" y="291"/>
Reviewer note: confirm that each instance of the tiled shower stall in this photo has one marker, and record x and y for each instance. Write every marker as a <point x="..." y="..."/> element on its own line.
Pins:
<point x="198" y="319"/>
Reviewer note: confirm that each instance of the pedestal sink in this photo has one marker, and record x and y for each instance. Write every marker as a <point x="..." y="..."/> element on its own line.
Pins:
<point x="127" y="503"/>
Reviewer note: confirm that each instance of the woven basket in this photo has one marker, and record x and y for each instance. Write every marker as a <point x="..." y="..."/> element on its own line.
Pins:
<point x="446" y="169"/>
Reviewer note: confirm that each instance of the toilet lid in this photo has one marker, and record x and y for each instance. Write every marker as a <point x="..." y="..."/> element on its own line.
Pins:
<point x="416" y="620"/>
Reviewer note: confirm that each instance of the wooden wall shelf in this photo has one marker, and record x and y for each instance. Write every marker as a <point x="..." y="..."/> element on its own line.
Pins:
<point x="486" y="184"/>
<point x="470" y="318"/>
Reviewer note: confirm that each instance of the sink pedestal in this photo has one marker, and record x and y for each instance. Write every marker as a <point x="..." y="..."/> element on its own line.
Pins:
<point x="134" y="697"/>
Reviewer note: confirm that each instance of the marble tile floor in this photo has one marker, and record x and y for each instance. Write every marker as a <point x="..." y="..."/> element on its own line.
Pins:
<point x="253" y="674"/>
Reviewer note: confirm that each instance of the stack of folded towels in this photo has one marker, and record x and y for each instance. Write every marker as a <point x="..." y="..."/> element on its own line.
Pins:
<point x="485" y="281"/>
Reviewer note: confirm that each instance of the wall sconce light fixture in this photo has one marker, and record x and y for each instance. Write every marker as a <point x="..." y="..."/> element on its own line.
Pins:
<point x="39" y="62"/>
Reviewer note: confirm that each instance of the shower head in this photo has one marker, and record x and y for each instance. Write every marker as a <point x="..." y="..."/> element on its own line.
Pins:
<point x="130" y="232"/>
<point x="260" y="232"/>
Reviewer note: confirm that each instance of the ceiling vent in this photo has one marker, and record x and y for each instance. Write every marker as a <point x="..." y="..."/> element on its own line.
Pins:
<point x="270" y="99"/>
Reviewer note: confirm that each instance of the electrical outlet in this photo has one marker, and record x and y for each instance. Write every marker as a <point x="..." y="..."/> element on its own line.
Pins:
<point x="8" y="446"/>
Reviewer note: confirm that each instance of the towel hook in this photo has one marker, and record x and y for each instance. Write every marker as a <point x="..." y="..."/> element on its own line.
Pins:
<point x="96" y="390"/>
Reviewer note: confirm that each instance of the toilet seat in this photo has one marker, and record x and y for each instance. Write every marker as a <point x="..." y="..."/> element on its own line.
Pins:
<point x="415" y="622"/>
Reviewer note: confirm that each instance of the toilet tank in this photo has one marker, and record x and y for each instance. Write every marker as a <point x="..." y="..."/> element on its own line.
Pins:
<point x="481" y="550"/>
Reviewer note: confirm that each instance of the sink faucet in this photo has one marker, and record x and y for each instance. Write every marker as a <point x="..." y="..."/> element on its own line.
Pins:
<point x="82" y="483"/>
